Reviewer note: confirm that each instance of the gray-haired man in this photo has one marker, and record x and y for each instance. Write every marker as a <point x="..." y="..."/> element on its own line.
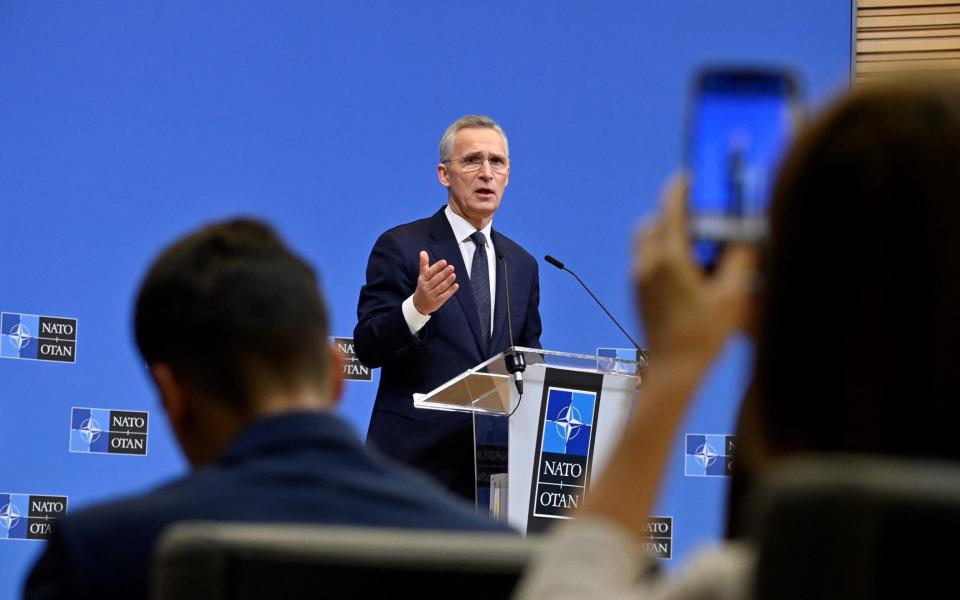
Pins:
<point x="434" y="304"/>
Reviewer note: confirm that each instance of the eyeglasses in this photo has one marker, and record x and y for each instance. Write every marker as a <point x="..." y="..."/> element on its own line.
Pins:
<point x="498" y="164"/>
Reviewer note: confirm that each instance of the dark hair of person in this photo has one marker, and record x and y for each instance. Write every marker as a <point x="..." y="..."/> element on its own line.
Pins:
<point x="859" y="317"/>
<point x="234" y="312"/>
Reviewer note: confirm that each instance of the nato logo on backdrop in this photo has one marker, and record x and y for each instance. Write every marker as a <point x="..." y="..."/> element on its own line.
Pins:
<point x="29" y="516"/>
<point x="658" y="537"/>
<point x="38" y="337"/>
<point x="709" y="455"/>
<point x="353" y="369"/>
<point x="104" y="431"/>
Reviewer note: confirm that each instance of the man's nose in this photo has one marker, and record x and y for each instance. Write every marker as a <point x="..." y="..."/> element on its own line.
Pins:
<point x="486" y="171"/>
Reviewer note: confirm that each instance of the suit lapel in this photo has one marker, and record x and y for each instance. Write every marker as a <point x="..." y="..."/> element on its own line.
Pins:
<point x="444" y="245"/>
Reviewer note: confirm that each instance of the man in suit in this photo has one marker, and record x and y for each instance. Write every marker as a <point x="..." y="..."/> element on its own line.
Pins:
<point x="233" y="329"/>
<point x="434" y="304"/>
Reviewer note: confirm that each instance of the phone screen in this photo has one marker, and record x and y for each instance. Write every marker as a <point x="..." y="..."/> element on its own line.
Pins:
<point x="740" y="125"/>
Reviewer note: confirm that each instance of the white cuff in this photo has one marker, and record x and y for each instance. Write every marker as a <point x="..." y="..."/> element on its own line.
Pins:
<point x="415" y="321"/>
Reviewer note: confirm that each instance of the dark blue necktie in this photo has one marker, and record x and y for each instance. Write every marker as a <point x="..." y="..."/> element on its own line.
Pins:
<point x="480" y="280"/>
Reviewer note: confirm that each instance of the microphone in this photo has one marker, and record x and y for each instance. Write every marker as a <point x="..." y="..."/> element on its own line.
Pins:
<point x="514" y="360"/>
<point x="557" y="264"/>
<point x="640" y="353"/>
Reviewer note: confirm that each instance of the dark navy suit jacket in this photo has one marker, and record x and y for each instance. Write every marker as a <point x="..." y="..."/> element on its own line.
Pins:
<point x="298" y="467"/>
<point x="450" y="343"/>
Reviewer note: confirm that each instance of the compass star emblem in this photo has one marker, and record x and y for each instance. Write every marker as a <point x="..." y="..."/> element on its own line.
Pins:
<point x="9" y="516"/>
<point x="90" y="431"/>
<point x="20" y="336"/>
<point x="706" y="454"/>
<point x="568" y="423"/>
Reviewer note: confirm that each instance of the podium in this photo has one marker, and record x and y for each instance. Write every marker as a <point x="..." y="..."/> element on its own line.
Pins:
<point x="535" y="453"/>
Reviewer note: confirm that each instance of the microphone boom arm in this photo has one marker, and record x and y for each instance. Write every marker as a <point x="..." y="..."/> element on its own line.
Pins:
<point x="641" y="354"/>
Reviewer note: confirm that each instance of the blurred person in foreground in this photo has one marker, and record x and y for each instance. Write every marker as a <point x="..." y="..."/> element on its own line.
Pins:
<point x="856" y="327"/>
<point x="233" y="329"/>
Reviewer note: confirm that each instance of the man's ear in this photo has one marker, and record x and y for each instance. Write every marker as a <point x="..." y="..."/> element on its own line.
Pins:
<point x="442" y="175"/>
<point x="172" y="394"/>
<point x="336" y="375"/>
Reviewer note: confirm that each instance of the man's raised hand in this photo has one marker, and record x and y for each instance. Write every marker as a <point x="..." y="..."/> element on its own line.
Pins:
<point x="435" y="285"/>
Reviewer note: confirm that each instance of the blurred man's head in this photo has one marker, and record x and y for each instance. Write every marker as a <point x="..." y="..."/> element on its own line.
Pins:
<point x="858" y="322"/>
<point x="232" y="325"/>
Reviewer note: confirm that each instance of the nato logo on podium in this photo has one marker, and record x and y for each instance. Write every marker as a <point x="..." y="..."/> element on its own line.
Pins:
<point x="564" y="458"/>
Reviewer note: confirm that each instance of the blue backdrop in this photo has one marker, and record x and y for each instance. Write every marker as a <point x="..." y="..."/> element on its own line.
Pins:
<point x="123" y="125"/>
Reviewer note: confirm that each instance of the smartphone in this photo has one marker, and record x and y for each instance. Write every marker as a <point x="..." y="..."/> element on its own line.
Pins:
<point x="739" y="124"/>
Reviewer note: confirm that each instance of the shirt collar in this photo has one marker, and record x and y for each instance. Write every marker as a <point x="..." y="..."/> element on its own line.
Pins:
<point x="462" y="229"/>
